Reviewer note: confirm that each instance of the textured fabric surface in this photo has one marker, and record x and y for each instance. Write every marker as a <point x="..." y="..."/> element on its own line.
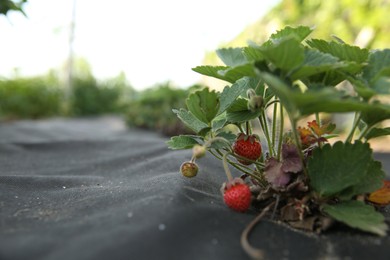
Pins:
<point x="92" y="189"/>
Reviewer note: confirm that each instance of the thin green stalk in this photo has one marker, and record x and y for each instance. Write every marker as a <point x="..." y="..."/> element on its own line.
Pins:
<point x="210" y="141"/>
<point x="319" y="124"/>
<point x="215" y="155"/>
<point x="356" y="122"/>
<point x="240" y="127"/>
<point x="244" y="169"/>
<point x="264" y="125"/>
<point x="226" y="167"/>
<point x="248" y="128"/>
<point x="363" y="133"/>
<point x="318" y="119"/>
<point x="227" y="170"/>
<point x="274" y="117"/>
<point x="261" y="178"/>
<point x="246" y="159"/>
<point x="272" y="102"/>
<point x="281" y="128"/>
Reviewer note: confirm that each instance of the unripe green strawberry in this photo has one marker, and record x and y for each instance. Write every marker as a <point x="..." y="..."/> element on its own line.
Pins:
<point x="255" y="103"/>
<point x="189" y="169"/>
<point x="237" y="196"/>
<point x="198" y="151"/>
<point x="248" y="147"/>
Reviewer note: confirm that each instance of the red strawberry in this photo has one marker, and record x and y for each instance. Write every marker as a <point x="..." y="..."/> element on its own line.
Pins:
<point x="237" y="195"/>
<point x="248" y="147"/>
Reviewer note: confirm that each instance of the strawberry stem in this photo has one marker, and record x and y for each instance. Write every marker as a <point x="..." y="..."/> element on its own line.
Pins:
<point x="248" y="128"/>
<point x="356" y="122"/>
<point x="241" y="168"/>
<point x="281" y="128"/>
<point x="274" y="115"/>
<point x="264" y="126"/>
<point x="218" y="138"/>
<point x="226" y="167"/>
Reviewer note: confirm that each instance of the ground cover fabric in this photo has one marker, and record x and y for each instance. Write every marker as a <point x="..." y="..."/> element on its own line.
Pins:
<point x="93" y="189"/>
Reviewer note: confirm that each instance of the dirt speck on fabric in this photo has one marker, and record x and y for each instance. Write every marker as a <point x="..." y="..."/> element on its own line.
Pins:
<point x="161" y="227"/>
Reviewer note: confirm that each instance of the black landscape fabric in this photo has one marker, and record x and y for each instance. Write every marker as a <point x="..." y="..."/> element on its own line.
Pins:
<point x="92" y="189"/>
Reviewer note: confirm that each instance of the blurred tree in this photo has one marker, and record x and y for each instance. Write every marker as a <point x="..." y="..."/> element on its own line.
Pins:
<point x="11" y="5"/>
<point x="90" y="96"/>
<point x="359" y="22"/>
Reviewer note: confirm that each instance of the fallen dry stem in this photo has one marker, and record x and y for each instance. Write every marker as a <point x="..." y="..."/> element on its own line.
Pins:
<point x="253" y="252"/>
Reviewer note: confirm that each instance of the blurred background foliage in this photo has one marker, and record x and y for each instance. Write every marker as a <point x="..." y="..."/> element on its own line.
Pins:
<point x="11" y="5"/>
<point x="33" y="97"/>
<point x="152" y="109"/>
<point x="45" y="96"/>
<point x="359" y="22"/>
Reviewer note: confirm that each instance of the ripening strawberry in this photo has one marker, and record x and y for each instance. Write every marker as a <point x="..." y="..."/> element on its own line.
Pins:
<point x="237" y="197"/>
<point x="247" y="146"/>
<point x="189" y="169"/>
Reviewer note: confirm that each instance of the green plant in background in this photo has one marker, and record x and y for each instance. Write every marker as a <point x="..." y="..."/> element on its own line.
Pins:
<point x="44" y="96"/>
<point x="308" y="182"/>
<point x="90" y="97"/>
<point x="35" y="97"/>
<point x="10" y="5"/>
<point x="152" y="109"/>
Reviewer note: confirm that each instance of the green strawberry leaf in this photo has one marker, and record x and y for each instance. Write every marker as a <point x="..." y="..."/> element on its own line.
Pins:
<point x="378" y="65"/>
<point x="230" y="137"/>
<point x="370" y="182"/>
<point x="286" y="54"/>
<point x="220" y="144"/>
<point x="219" y="122"/>
<point x="337" y="75"/>
<point x="342" y="51"/>
<point x="253" y="53"/>
<point x="333" y="169"/>
<point x="238" y="72"/>
<point x="183" y="142"/>
<point x="238" y="112"/>
<point x="375" y="113"/>
<point x="358" y="215"/>
<point x="300" y="33"/>
<point x="282" y="90"/>
<point x="377" y="132"/>
<point x="230" y="94"/>
<point x="214" y="71"/>
<point x="316" y="62"/>
<point x="232" y="56"/>
<point x="203" y="104"/>
<point x="229" y="74"/>
<point x="382" y="85"/>
<point x="361" y="87"/>
<point x="190" y="120"/>
<point x="328" y="100"/>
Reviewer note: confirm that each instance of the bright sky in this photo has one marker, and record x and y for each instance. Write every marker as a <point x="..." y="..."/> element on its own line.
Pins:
<point x="152" y="41"/>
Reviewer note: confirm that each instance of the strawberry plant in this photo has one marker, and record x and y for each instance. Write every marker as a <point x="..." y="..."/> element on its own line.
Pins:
<point x="295" y="169"/>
